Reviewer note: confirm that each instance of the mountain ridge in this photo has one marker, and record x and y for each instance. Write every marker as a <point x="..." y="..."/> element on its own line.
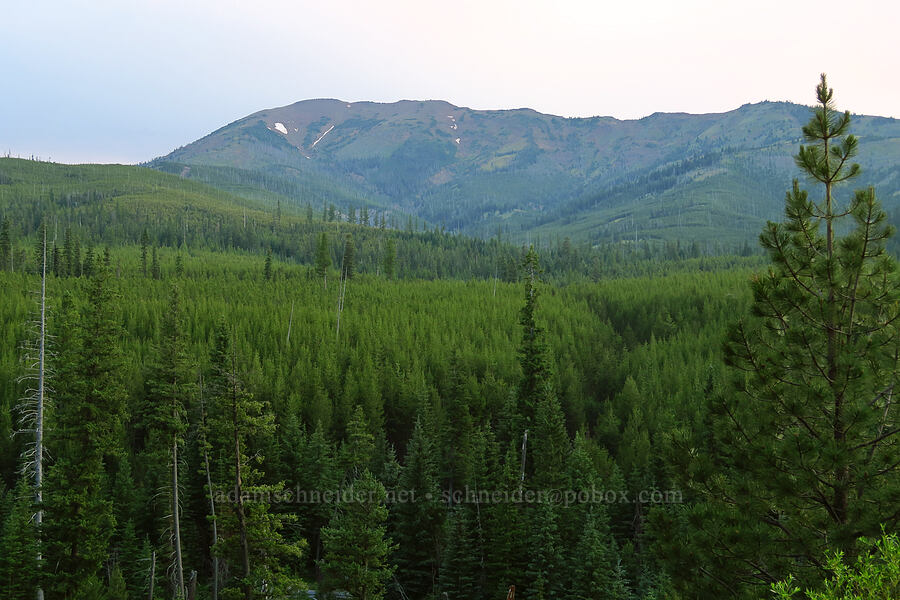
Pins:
<point x="663" y="176"/>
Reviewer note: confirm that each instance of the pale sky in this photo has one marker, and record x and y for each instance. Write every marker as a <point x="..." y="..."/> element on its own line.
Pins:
<point x="125" y="81"/>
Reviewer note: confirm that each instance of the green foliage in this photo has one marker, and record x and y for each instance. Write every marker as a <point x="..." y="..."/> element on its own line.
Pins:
<point x="251" y="534"/>
<point x="85" y="435"/>
<point x="802" y="456"/>
<point x="874" y="576"/>
<point x="267" y="267"/>
<point x="390" y="258"/>
<point x="356" y="544"/>
<point x="348" y="262"/>
<point x="420" y="521"/>
<point x="19" y="569"/>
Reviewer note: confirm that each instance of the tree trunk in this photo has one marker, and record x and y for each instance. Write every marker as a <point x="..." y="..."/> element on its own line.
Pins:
<point x="39" y="413"/>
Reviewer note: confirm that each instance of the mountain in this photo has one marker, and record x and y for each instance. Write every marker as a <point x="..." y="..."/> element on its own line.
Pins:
<point x="666" y="176"/>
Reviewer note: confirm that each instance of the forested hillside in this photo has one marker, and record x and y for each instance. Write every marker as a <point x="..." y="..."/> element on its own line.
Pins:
<point x="710" y="177"/>
<point x="207" y="395"/>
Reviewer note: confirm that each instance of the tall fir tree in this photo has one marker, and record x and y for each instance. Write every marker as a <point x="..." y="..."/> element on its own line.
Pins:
<point x="267" y="266"/>
<point x="348" y="262"/>
<point x="420" y="522"/>
<point x="19" y="546"/>
<point x="357" y="547"/>
<point x="533" y="350"/>
<point x="145" y="244"/>
<point x="323" y="258"/>
<point x="86" y="437"/>
<point x="390" y="259"/>
<point x="154" y="264"/>
<point x="169" y="392"/>
<point x="252" y="538"/>
<point x="6" y="253"/>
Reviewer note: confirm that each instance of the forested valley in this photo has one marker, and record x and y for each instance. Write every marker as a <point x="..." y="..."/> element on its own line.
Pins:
<point x="207" y="396"/>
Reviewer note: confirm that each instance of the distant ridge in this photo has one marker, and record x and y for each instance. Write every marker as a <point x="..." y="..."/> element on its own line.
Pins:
<point x="665" y="176"/>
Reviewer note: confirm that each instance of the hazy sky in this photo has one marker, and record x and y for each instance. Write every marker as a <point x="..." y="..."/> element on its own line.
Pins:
<point x="125" y="81"/>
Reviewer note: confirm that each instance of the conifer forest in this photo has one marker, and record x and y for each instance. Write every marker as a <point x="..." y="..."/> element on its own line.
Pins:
<point x="213" y="394"/>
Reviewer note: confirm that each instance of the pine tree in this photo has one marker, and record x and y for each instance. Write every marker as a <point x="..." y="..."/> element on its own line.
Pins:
<point x="179" y="265"/>
<point x="85" y="436"/>
<point x="169" y="390"/>
<point x="542" y="581"/>
<point x="68" y="266"/>
<point x="348" y="263"/>
<point x="323" y="258"/>
<point x="316" y="473"/>
<point x="88" y="268"/>
<point x="549" y="442"/>
<point x="595" y="559"/>
<point x="56" y="260"/>
<point x="154" y="264"/>
<point x="461" y="574"/>
<point x="5" y="246"/>
<point x="358" y="448"/>
<point x="390" y="258"/>
<point x="267" y="268"/>
<point x="356" y="543"/>
<point x="533" y="350"/>
<point x="145" y="243"/>
<point x="251" y="534"/>
<point x="420" y="523"/>
<point x="808" y="440"/>
<point x="19" y="571"/>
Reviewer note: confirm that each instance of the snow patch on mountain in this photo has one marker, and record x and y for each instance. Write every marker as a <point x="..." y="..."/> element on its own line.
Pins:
<point x="321" y="136"/>
<point x="281" y="128"/>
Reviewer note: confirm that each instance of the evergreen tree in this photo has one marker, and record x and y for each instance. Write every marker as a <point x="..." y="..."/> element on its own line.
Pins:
<point x="145" y="243"/>
<point x="56" y="260"/>
<point x="390" y="258"/>
<point x="348" y="264"/>
<point x="595" y="559"/>
<point x="5" y="246"/>
<point x="808" y="440"/>
<point x="88" y="268"/>
<point x="169" y="389"/>
<point x="533" y="351"/>
<point x="316" y="473"/>
<point x="356" y="543"/>
<point x="461" y="574"/>
<point x="267" y="268"/>
<point x="323" y="258"/>
<point x="19" y="570"/>
<point x="542" y="577"/>
<point x="358" y="448"/>
<point x="76" y="258"/>
<point x="251" y="534"/>
<point x="154" y="264"/>
<point x="179" y="265"/>
<point x="85" y="437"/>
<point x="68" y="266"/>
<point x="420" y="522"/>
<point x="549" y="442"/>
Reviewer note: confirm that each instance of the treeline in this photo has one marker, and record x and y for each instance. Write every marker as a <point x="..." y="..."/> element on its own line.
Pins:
<point x="95" y="206"/>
